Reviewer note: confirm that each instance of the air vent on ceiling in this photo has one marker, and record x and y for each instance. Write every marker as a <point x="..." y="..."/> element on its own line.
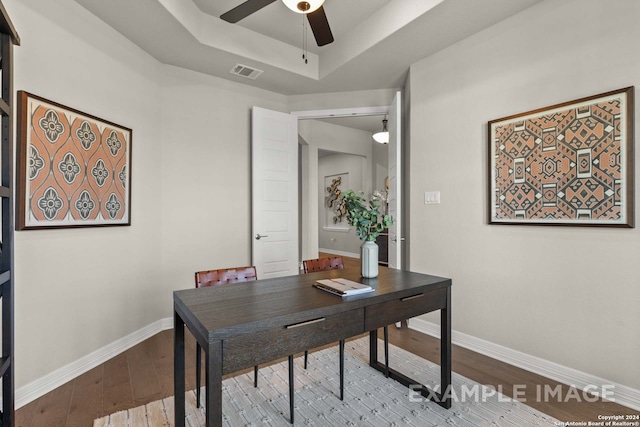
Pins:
<point x="244" y="71"/>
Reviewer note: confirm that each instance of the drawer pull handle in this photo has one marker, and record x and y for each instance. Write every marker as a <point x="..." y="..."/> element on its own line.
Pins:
<point x="411" y="297"/>
<point x="308" y="322"/>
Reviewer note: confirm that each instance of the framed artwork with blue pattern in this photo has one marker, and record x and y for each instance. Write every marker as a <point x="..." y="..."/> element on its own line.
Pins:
<point x="567" y="164"/>
<point x="74" y="169"/>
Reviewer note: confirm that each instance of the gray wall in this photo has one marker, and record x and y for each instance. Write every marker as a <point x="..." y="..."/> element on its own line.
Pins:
<point x="78" y="290"/>
<point x="566" y="294"/>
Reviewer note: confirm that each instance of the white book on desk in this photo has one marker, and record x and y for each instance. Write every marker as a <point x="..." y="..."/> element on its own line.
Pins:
<point x="342" y="287"/>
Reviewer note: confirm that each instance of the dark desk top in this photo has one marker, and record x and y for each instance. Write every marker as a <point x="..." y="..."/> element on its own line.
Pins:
<point x="219" y="312"/>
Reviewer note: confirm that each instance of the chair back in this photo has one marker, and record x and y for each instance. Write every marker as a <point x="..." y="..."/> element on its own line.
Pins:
<point x="225" y="275"/>
<point x="323" y="264"/>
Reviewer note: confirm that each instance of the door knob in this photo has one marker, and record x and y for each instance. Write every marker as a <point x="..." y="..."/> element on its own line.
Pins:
<point x="258" y="237"/>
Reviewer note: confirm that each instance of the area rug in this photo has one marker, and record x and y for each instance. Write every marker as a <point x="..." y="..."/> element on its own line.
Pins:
<point x="370" y="398"/>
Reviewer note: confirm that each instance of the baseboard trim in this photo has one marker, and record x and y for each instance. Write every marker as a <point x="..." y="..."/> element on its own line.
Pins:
<point x="624" y="395"/>
<point x="341" y="253"/>
<point x="55" y="379"/>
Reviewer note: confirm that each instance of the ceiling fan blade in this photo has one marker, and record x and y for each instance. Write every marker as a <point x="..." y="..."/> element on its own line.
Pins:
<point x="320" y="27"/>
<point x="244" y="10"/>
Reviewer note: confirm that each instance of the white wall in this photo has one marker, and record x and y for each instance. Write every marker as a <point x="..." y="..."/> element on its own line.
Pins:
<point x="380" y="168"/>
<point x="78" y="290"/>
<point x="206" y="173"/>
<point x="355" y="99"/>
<point x="329" y="237"/>
<point x="566" y="294"/>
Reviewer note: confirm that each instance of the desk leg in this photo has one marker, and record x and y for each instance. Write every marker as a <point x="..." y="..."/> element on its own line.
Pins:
<point x="214" y="384"/>
<point x="442" y="398"/>
<point x="445" y="352"/>
<point x="178" y="369"/>
<point x="373" y="348"/>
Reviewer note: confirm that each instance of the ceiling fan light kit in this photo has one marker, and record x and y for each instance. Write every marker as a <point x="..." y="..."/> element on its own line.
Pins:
<point x="383" y="136"/>
<point x="303" y="6"/>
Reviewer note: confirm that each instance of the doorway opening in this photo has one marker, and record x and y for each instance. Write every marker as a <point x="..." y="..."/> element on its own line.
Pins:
<point x="363" y="166"/>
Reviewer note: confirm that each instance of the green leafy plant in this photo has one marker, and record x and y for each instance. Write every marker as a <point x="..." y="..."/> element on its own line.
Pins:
<point x="365" y="217"/>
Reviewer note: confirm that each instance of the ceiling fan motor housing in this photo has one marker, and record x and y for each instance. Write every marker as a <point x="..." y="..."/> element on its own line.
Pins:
<point x="302" y="6"/>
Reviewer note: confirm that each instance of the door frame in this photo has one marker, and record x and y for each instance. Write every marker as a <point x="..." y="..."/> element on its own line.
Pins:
<point x="309" y="170"/>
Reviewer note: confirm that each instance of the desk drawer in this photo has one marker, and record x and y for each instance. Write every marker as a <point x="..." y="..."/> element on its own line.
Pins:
<point x="386" y="313"/>
<point x="260" y="347"/>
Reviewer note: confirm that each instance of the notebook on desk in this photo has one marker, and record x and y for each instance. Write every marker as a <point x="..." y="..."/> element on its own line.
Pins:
<point x="342" y="287"/>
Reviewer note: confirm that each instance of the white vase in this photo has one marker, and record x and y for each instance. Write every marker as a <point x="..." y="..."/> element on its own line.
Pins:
<point x="369" y="259"/>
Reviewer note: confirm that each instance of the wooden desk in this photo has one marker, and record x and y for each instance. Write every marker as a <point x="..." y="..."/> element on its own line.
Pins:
<point x="244" y="324"/>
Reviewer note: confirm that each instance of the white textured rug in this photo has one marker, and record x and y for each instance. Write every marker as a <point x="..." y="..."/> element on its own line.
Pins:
<point x="370" y="398"/>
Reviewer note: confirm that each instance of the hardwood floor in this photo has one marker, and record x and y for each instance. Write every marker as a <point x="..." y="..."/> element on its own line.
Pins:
<point x="144" y="373"/>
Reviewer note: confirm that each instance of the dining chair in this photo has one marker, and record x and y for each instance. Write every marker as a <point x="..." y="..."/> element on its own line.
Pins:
<point x="321" y="264"/>
<point x="214" y="278"/>
<point x="233" y="275"/>
<point x="336" y="263"/>
<point x="325" y="264"/>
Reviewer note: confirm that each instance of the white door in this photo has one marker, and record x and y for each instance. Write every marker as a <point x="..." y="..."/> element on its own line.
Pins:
<point x="395" y="175"/>
<point x="274" y="163"/>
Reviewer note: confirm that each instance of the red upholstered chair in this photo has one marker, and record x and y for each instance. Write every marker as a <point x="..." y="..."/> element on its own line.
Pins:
<point x="324" y="264"/>
<point x="225" y="275"/>
<point x="215" y="278"/>
<point x="221" y="277"/>
<point x="336" y="263"/>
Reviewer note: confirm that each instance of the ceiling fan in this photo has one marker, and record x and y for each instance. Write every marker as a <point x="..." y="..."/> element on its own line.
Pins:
<point x="312" y="8"/>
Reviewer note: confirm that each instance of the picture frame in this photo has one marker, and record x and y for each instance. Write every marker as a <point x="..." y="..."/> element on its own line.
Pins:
<point x="73" y="169"/>
<point x="568" y="164"/>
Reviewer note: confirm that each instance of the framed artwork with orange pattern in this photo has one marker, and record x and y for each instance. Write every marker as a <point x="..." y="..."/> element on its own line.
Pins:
<point x="74" y="169"/>
<point x="567" y="164"/>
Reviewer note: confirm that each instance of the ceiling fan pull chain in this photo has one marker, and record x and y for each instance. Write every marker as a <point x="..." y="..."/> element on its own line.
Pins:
<point x="304" y="40"/>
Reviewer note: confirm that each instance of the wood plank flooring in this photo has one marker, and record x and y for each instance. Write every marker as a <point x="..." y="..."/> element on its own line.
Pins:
<point x="144" y="373"/>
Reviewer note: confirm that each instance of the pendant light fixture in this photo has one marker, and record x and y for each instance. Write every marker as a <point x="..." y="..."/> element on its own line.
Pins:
<point x="383" y="136"/>
<point x="303" y="6"/>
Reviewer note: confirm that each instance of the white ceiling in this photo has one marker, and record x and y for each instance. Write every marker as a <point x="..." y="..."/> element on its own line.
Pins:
<point x="278" y="22"/>
<point x="375" y="40"/>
